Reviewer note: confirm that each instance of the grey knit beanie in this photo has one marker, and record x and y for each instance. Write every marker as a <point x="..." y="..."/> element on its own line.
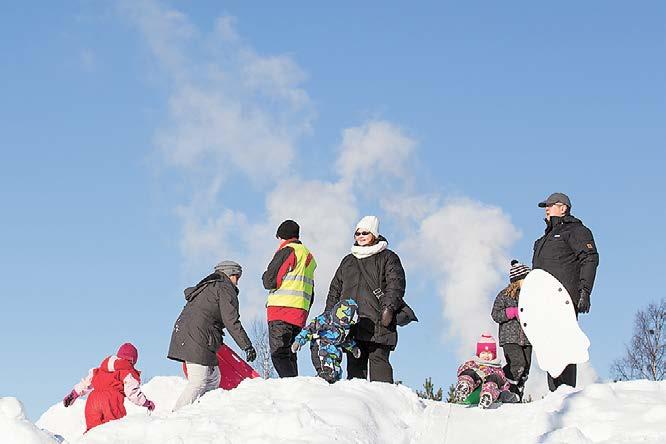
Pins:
<point x="229" y="268"/>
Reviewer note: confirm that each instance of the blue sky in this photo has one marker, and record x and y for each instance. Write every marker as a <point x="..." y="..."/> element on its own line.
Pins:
<point x="144" y="141"/>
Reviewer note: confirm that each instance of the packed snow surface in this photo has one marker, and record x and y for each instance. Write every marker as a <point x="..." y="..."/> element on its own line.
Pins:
<point x="15" y="428"/>
<point x="308" y="410"/>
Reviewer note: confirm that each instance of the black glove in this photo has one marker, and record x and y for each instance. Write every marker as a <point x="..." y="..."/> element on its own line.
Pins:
<point x="584" y="301"/>
<point x="250" y="354"/>
<point x="387" y="316"/>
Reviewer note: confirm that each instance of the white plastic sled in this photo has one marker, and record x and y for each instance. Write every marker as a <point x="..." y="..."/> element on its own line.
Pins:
<point x="548" y="318"/>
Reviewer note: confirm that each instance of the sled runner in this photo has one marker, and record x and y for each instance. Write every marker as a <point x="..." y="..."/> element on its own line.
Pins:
<point x="233" y="369"/>
<point x="548" y="318"/>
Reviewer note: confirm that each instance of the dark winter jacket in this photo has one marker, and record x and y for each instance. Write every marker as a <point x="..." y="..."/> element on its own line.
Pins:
<point x="510" y="331"/>
<point x="211" y="306"/>
<point x="568" y="252"/>
<point x="348" y="282"/>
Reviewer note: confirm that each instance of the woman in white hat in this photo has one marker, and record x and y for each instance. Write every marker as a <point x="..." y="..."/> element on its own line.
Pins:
<point x="373" y="276"/>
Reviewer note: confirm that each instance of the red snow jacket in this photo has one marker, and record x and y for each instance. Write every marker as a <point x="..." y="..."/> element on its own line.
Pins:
<point x="110" y="383"/>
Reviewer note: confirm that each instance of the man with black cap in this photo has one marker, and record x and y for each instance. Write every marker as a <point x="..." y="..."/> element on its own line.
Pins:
<point x="212" y="305"/>
<point x="568" y="252"/>
<point x="290" y="281"/>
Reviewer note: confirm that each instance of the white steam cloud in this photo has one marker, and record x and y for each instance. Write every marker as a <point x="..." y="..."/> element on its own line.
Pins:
<point x="464" y="244"/>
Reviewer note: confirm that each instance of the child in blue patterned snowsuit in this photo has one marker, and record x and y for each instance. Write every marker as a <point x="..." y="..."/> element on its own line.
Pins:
<point x="329" y="333"/>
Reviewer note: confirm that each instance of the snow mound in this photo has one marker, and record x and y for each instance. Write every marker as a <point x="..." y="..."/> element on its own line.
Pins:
<point x="308" y="410"/>
<point x="15" y="428"/>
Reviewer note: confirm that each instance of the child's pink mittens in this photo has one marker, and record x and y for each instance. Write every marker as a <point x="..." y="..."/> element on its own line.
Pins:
<point x="511" y="312"/>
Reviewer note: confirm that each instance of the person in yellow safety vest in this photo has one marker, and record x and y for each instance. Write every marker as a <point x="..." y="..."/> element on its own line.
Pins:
<point x="290" y="281"/>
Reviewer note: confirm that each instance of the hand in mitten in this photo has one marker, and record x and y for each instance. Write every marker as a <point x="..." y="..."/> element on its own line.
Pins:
<point x="584" y="301"/>
<point x="70" y="398"/>
<point x="356" y="352"/>
<point x="295" y="347"/>
<point x="511" y="312"/>
<point x="387" y="316"/>
<point x="250" y="354"/>
<point x="150" y="405"/>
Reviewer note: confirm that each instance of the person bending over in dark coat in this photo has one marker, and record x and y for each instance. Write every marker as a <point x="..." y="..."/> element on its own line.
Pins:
<point x="567" y="251"/>
<point x="212" y="305"/>
<point x="375" y="332"/>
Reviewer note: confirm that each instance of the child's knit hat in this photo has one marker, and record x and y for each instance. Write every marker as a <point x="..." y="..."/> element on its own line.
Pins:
<point x="518" y="271"/>
<point x="345" y="313"/>
<point x="128" y="352"/>
<point x="486" y="343"/>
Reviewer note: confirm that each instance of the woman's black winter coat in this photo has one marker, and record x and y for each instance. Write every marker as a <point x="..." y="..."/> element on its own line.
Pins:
<point x="348" y="282"/>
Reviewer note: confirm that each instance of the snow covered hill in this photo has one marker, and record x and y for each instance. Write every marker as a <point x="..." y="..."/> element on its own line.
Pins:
<point x="307" y="410"/>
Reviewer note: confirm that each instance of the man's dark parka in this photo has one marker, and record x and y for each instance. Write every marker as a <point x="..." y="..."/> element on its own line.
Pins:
<point x="568" y="252"/>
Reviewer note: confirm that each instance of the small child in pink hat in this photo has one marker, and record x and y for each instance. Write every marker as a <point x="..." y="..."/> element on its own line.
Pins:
<point x="107" y="387"/>
<point x="484" y="370"/>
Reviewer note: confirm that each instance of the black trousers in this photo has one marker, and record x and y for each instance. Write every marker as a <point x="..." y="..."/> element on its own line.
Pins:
<point x="374" y="359"/>
<point x="568" y="377"/>
<point x="280" y="337"/>
<point x="518" y="362"/>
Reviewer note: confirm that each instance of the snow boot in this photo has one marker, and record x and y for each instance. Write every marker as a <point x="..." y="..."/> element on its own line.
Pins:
<point x="485" y="401"/>
<point x="508" y="397"/>
<point x="462" y="391"/>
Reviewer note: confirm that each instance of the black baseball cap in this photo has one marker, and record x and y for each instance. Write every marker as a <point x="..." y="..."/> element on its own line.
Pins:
<point x="555" y="198"/>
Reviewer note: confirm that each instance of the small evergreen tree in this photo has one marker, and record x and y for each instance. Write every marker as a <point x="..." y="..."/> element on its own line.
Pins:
<point x="429" y="391"/>
<point x="451" y="396"/>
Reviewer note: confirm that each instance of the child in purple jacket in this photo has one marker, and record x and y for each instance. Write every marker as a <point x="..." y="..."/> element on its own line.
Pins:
<point x="484" y="370"/>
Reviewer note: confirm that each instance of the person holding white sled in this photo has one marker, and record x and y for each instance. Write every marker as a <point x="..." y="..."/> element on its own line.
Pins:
<point x="517" y="348"/>
<point x="212" y="305"/>
<point x="568" y="252"/>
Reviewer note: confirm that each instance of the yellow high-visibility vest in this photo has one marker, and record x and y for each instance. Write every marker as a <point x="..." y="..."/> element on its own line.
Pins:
<point x="297" y="286"/>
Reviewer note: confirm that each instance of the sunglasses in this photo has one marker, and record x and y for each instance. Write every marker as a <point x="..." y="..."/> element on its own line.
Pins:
<point x="362" y="233"/>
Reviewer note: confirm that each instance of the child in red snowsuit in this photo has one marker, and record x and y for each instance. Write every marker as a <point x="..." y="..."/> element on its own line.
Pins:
<point x="108" y="385"/>
<point x="484" y="370"/>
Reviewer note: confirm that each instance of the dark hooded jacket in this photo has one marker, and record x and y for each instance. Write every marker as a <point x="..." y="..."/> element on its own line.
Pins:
<point x="383" y="267"/>
<point x="568" y="252"/>
<point x="212" y="305"/>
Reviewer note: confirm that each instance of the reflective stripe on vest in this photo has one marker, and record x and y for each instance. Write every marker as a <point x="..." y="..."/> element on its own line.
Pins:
<point x="297" y="286"/>
<point x="305" y="279"/>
